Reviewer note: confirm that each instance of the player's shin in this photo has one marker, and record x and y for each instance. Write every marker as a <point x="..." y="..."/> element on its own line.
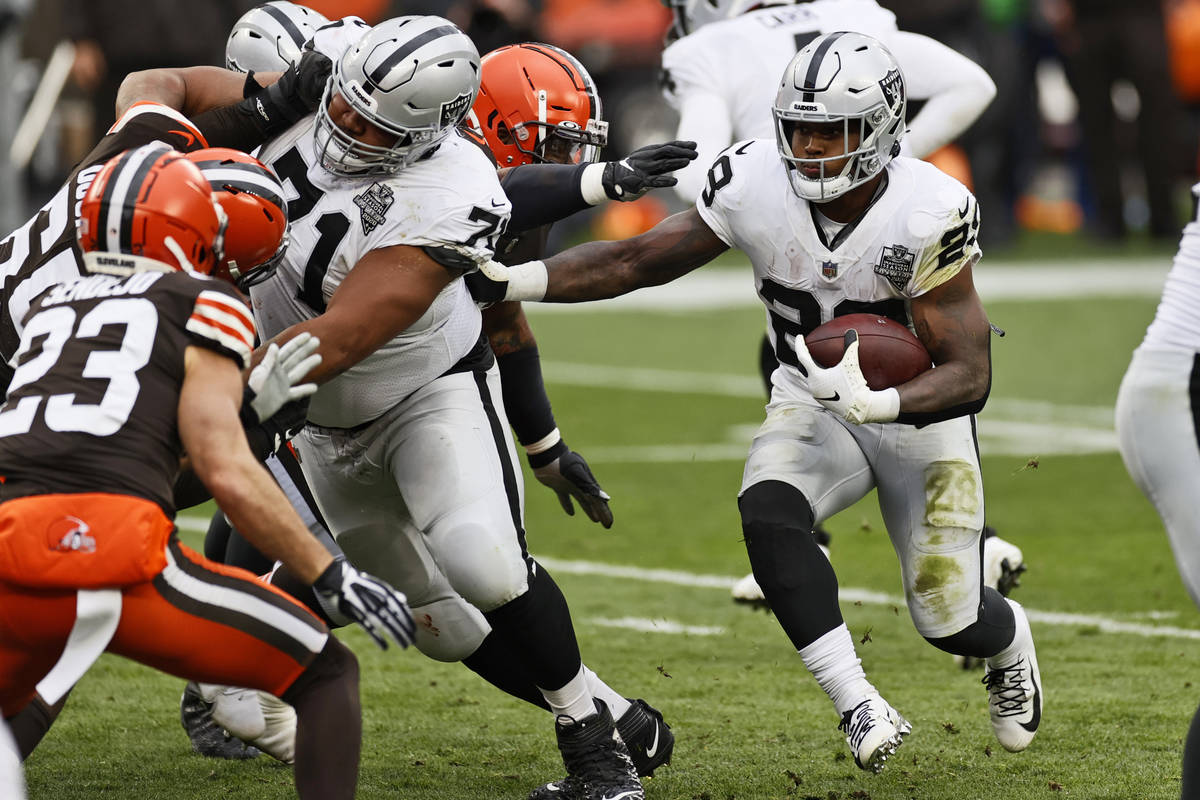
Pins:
<point x="329" y="725"/>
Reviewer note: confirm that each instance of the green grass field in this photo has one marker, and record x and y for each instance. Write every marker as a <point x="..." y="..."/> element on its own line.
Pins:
<point x="749" y="720"/>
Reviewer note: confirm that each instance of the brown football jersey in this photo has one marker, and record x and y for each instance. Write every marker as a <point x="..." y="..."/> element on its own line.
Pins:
<point x="43" y="251"/>
<point x="92" y="406"/>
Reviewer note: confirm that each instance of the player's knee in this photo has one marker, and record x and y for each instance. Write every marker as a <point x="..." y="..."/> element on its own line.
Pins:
<point x="485" y="570"/>
<point x="450" y="629"/>
<point x="335" y="662"/>
<point x="777" y="523"/>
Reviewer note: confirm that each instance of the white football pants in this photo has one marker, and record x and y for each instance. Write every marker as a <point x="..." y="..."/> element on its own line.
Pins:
<point x="930" y="493"/>
<point x="1157" y="430"/>
<point x="430" y="498"/>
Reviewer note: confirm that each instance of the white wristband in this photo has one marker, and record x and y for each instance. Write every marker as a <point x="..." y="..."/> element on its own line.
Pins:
<point x="527" y="281"/>
<point x="545" y="443"/>
<point x="885" y="406"/>
<point x="591" y="184"/>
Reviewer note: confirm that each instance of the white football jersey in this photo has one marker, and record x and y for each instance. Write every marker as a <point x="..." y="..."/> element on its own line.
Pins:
<point x="450" y="199"/>
<point x="764" y="41"/>
<point x="919" y="232"/>
<point x="1176" y="324"/>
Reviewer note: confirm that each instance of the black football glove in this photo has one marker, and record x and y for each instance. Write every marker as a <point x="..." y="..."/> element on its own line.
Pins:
<point x="488" y="284"/>
<point x="295" y="95"/>
<point x="347" y="595"/>
<point x="565" y="471"/>
<point x="646" y="168"/>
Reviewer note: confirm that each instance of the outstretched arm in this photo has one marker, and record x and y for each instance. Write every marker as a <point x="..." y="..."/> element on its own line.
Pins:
<point x="599" y="270"/>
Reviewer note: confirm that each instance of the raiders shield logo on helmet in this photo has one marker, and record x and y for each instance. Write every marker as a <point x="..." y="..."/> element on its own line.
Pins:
<point x="453" y="111"/>
<point x="892" y="86"/>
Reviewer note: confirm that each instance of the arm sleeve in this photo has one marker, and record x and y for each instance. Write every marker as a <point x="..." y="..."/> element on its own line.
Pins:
<point x="542" y="193"/>
<point x="956" y="89"/>
<point x="703" y="119"/>
<point x="525" y="397"/>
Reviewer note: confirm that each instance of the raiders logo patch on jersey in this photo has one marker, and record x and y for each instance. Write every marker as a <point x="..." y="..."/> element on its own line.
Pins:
<point x="373" y="205"/>
<point x="896" y="264"/>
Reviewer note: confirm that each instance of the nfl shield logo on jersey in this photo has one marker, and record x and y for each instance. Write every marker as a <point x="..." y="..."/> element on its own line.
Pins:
<point x="829" y="269"/>
<point x="896" y="264"/>
<point x="373" y="205"/>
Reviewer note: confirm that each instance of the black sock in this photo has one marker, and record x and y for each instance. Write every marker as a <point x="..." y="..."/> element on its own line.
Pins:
<point x="1191" y="761"/>
<point x="499" y="665"/>
<point x="537" y="627"/>
<point x="31" y="723"/>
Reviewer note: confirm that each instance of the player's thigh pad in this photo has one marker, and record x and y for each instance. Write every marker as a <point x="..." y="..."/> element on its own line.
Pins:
<point x="1156" y="431"/>
<point x="931" y="497"/>
<point x="217" y="624"/>
<point x="453" y="459"/>
<point x="803" y="445"/>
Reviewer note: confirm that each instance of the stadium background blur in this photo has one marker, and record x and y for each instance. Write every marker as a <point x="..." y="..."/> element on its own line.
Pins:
<point x="1025" y="158"/>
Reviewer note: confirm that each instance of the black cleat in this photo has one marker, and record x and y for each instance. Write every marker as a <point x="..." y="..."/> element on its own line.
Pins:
<point x="207" y="737"/>
<point x="648" y="738"/>
<point x="598" y="763"/>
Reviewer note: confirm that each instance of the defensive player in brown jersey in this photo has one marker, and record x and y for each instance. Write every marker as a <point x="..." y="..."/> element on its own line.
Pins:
<point x="119" y="374"/>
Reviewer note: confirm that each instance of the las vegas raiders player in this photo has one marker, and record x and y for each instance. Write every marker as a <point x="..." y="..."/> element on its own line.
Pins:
<point x="722" y="100"/>
<point x="1158" y="426"/>
<point x="407" y="449"/>
<point x="120" y="373"/>
<point x="834" y="222"/>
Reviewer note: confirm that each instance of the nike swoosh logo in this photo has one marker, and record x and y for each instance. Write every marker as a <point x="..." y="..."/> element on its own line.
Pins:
<point x="496" y="205"/>
<point x="833" y="399"/>
<point x="652" y="749"/>
<point x="741" y="150"/>
<point x="962" y="214"/>
<point x="1032" y="725"/>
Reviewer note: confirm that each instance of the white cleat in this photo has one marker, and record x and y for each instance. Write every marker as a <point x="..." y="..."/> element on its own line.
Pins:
<point x="1014" y="687"/>
<point x="873" y="731"/>
<point x="1003" y="564"/>
<point x="256" y="717"/>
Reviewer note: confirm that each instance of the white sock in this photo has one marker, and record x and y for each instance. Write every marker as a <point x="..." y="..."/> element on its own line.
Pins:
<point x="837" y="668"/>
<point x="616" y="703"/>
<point x="573" y="700"/>
<point x="1020" y="642"/>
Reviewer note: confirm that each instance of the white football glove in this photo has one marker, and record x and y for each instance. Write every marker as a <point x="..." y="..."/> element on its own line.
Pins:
<point x="347" y="595"/>
<point x="843" y="389"/>
<point x="275" y="382"/>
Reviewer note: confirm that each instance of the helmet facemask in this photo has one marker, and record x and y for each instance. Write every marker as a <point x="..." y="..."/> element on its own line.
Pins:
<point x="557" y="143"/>
<point x="845" y="78"/>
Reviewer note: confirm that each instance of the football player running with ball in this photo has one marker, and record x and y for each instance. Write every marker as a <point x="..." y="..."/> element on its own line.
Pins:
<point x="843" y="226"/>
<point x="722" y="100"/>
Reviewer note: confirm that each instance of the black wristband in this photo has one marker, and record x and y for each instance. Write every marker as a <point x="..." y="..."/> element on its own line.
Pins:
<point x="546" y="456"/>
<point x="524" y="393"/>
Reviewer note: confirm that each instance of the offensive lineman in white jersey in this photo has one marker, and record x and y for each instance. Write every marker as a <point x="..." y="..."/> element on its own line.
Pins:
<point x="1158" y="427"/>
<point x="722" y="100"/>
<point x="845" y="227"/>
<point x="408" y="450"/>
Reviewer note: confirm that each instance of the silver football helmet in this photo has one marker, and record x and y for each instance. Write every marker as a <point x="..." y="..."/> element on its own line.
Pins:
<point x="413" y="77"/>
<point x="848" y="78"/>
<point x="269" y="37"/>
<point x="691" y="15"/>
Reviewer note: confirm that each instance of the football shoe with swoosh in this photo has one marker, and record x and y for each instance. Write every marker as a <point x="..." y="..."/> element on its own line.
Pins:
<point x="873" y="730"/>
<point x="1014" y="687"/>
<point x="598" y="763"/>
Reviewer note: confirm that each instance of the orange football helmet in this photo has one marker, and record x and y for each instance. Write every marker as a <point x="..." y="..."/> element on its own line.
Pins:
<point x="537" y="103"/>
<point x="252" y="198"/>
<point x="150" y="203"/>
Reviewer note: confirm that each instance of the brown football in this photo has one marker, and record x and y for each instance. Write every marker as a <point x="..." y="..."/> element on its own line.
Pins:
<point x="888" y="352"/>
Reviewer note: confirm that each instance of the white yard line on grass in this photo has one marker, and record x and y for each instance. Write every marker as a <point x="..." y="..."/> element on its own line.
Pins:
<point x="733" y="287"/>
<point x="725" y="583"/>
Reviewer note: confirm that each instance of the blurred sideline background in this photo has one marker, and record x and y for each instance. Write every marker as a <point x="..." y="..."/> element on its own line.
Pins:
<point x="1055" y="176"/>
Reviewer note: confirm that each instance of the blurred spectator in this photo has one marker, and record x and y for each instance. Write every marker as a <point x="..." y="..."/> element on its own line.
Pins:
<point x="115" y="37"/>
<point x="12" y="206"/>
<point x="1103" y="42"/>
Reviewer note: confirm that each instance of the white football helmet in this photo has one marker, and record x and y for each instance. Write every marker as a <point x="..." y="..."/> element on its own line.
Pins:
<point x="269" y="38"/>
<point x="849" y="78"/>
<point x="414" y="77"/>
<point x="690" y="15"/>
